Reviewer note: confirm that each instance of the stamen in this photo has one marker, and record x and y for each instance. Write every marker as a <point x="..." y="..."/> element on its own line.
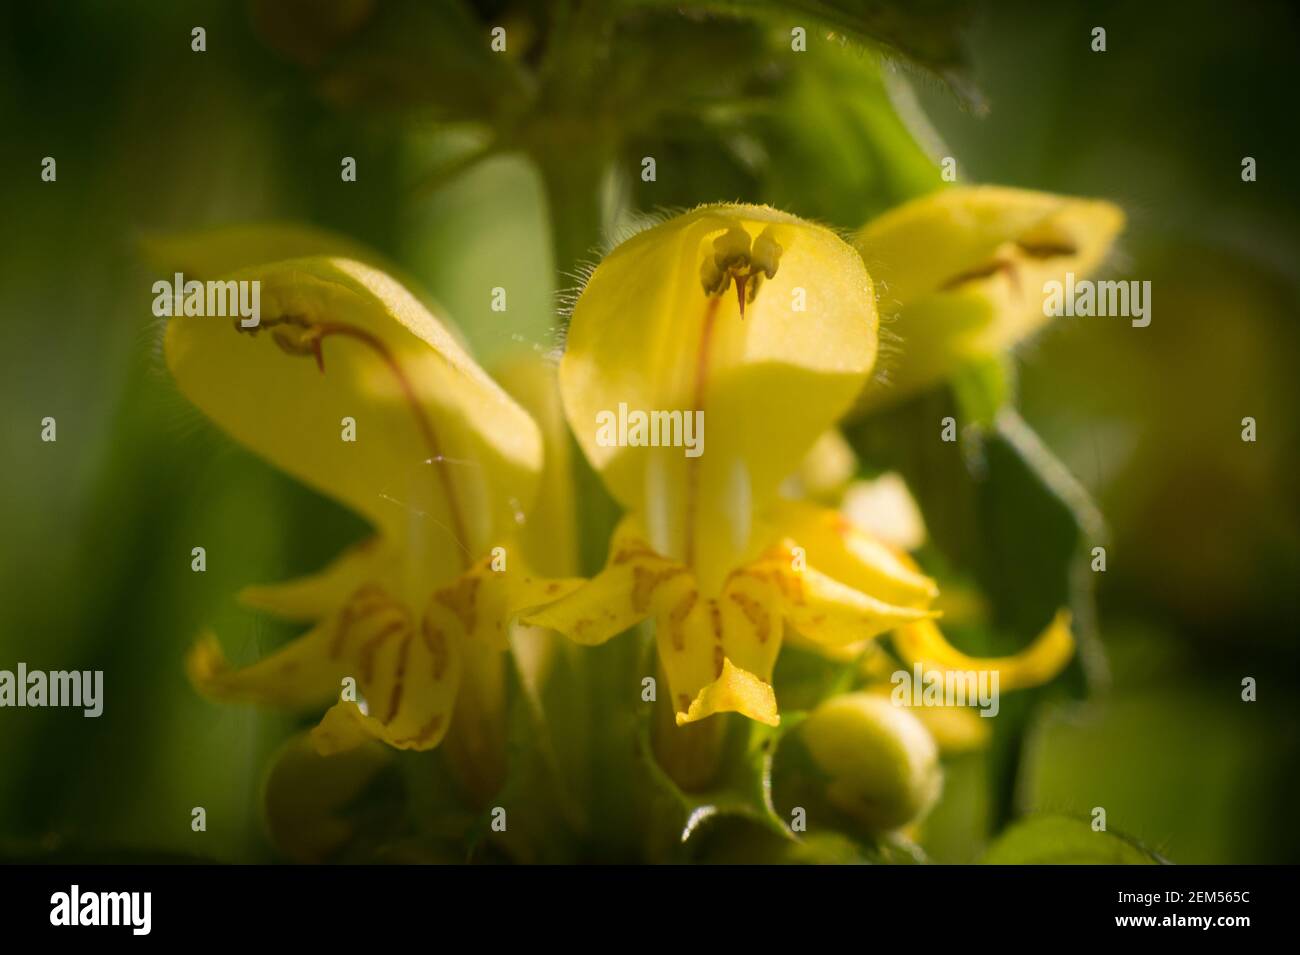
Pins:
<point x="735" y="259"/>
<point x="1046" y="249"/>
<point x="1006" y="261"/>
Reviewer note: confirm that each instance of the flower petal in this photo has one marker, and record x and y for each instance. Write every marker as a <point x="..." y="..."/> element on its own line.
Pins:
<point x="708" y="642"/>
<point x="924" y="643"/>
<point x="616" y="599"/>
<point x="408" y="670"/>
<point x="735" y="691"/>
<point x="299" y="675"/>
<point x="829" y="612"/>
<point x="825" y="470"/>
<point x="405" y="669"/>
<point x="839" y="549"/>
<point x="885" y="509"/>
<point x="308" y="599"/>
<point x="446" y="673"/>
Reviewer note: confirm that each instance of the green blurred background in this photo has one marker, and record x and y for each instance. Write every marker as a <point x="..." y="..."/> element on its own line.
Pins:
<point x="1204" y="552"/>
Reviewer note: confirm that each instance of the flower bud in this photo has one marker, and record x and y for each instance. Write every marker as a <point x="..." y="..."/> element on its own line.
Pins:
<point x="882" y="762"/>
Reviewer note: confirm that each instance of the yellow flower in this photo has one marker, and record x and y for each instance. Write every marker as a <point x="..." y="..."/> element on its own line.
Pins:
<point x="766" y="326"/>
<point x="961" y="273"/>
<point x="444" y="465"/>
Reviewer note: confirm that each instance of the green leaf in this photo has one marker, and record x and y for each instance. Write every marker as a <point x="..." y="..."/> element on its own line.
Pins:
<point x="1061" y="840"/>
<point x="837" y="148"/>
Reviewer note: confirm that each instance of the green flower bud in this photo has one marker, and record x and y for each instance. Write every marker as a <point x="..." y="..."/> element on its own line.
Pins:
<point x="883" y="763"/>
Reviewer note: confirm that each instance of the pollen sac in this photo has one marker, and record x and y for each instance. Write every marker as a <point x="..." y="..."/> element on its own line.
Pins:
<point x="714" y="280"/>
<point x="766" y="254"/>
